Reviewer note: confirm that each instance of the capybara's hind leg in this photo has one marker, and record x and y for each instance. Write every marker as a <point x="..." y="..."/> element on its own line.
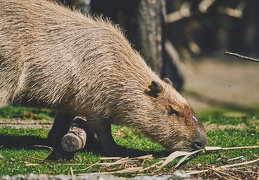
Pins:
<point x="59" y="129"/>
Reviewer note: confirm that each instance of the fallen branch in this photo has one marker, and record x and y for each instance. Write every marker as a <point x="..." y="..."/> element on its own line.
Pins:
<point x="230" y="148"/>
<point x="224" y="167"/>
<point x="242" y="57"/>
<point x="183" y="12"/>
<point x="154" y="165"/>
<point x="118" y="162"/>
<point x="121" y="171"/>
<point x="225" y="175"/>
<point x="95" y="164"/>
<point x="110" y="158"/>
<point x="43" y="146"/>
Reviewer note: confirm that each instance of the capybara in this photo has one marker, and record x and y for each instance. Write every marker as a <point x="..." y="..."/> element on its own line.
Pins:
<point x="83" y="66"/>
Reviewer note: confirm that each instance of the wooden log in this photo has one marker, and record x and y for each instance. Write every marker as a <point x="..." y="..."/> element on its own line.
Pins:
<point x="75" y="139"/>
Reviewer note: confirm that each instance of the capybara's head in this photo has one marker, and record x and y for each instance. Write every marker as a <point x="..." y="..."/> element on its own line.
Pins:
<point x="176" y="127"/>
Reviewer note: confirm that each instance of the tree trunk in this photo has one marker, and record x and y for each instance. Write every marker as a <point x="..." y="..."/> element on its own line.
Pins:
<point x="150" y="38"/>
<point x="149" y="27"/>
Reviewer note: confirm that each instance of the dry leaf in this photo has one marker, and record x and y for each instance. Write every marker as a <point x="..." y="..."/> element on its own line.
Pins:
<point x="185" y="157"/>
<point x="172" y="156"/>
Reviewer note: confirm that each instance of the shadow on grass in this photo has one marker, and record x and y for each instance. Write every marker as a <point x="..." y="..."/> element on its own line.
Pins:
<point x="19" y="142"/>
<point x="22" y="141"/>
<point x="33" y="142"/>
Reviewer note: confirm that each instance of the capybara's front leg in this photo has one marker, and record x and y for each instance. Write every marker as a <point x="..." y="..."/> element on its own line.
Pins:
<point x="110" y="147"/>
<point x="59" y="129"/>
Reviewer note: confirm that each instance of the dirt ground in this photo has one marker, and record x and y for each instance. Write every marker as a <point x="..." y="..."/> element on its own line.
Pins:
<point x="212" y="82"/>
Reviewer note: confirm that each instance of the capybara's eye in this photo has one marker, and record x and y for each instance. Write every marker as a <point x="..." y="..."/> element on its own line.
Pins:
<point x="172" y="111"/>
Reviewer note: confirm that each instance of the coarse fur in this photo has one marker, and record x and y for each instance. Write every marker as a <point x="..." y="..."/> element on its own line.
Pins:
<point x="55" y="57"/>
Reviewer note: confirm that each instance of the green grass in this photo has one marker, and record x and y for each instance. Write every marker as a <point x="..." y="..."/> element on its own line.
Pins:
<point x="28" y="160"/>
<point x="25" y="113"/>
<point x="229" y="138"/>
<point x="10" y="131"/>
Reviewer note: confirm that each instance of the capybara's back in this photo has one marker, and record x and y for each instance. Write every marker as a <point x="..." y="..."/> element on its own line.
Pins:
<point x="54" y="57"/>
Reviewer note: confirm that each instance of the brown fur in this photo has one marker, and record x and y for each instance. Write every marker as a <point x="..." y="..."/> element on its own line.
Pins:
<point x="79" y="65"/>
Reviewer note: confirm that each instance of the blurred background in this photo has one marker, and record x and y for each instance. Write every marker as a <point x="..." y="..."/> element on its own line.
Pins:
<point x="186" y="40"/>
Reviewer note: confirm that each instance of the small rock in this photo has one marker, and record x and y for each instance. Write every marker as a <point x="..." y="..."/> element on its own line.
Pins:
<point x="12" y="159"/>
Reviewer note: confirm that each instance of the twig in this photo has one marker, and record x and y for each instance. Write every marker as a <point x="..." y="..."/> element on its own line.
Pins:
<point x="236" y="158"/>
<point x="43" y="146"/>
<point x="205" y="5"/>
<point x="71" y="171"/>
<point x="240" y="164"/>
<point x="118" y="162"/>
<point x="71" y="164"/>
<point x="224" y="167"/>
<point x="149" y="167"/>
<point x="242" y="57"/>
<point x="31" y="164"/>
<point x="183" y="12"/>
<point x="217" y="174"/>
<point x="121" y="171"/>
<point x="231" y="12"/>
<point x="110" y="158"/>
<point x="38" y="159"/>
<point x="145" y="157"/>
<point x="230" y="148"/>
<point x="97" y="163"/>
<point x="226" y="174"/>
<point x="250" y="172"/>
<point x="242" y="147"/>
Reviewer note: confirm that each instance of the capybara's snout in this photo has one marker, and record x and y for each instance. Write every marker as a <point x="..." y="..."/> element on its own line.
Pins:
<point x="200" y="141"/>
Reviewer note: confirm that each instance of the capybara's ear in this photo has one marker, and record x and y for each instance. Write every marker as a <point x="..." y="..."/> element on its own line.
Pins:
<point x="155" y="89"/>
<point x="168" y="81"/>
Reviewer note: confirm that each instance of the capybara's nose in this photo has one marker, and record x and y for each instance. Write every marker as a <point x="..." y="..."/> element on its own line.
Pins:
<point x="197" y="146"/>
<point x="200" y="141"/>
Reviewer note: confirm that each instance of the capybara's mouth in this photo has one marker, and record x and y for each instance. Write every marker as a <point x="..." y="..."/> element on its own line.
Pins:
<point x="190" y="146"/>
<point x="197" y="146"/>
